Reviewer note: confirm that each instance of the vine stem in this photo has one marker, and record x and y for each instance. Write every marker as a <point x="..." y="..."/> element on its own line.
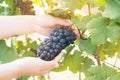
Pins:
<point x="97" y="55"/>
<point x="79" y="75"/>
<point x="89" y="9"/>
<point x="41" y="77"/>
<point x="13" y="44"/>
<point x="113" y="65"/>
<point x="115" y="62"/>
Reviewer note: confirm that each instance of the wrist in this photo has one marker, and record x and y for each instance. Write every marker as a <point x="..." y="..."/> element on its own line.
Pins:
<point x="16" y="69"/>
<point x="37" y="24"/>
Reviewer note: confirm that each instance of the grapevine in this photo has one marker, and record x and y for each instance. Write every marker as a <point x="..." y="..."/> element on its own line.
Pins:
<point x="98" y="23"/>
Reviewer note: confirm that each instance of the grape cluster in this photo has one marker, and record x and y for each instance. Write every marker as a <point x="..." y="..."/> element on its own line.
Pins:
<point x="58" y="40"/>
<point x="25" y="6"/>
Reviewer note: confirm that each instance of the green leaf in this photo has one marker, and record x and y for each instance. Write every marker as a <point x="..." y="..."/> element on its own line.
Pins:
<point x="110" y="49"/>
<point x="11" y="6"/>
<point x="102" y="56"/>
<point x="1" y="10"/>
<point x="23" y="78"/>
<point x="118" y="1"/>
<point x="112" y="10"/>
<point x="61" y="12"/>
<point x="98" y="30"/>
<point x="99" y="2"/>
<point x="7" y="54"/>
<point x="115" y="77"/>
<point x="72" y="4"/>
<point x="25" y="50"/>
<point x="50" y="3"/>
<point x="81" y="24"/>
<point x="1" y="1"/>
<point x="86" y="63"/>
<point x="60" y="68"/>
<point x="69" y="48"/>
<point x="101" y="29"/>
<point x="39" y="2"/>
<point x="114" y="32"/>
<point x="87" y="46"/>
<point x="103" y="73"/>
<point x="75" y="59"/>
<point x="71" y="61"/>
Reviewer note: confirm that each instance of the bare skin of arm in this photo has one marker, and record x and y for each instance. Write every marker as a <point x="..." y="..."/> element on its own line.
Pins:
<point x="19" y="25"/>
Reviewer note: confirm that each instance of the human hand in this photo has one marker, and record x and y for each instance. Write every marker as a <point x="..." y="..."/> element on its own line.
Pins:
<point x="46" y="23"/>
<point x="36" y="66"/>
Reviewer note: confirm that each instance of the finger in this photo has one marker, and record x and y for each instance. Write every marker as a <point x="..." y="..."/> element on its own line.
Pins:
<point x="57" y="58"/>
<point x="57" y="65"/>
<point x="75" y="30"/>
<point x="62" y="22"/>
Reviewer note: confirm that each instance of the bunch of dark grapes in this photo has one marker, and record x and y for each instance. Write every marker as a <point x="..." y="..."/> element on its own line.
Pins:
<point x="58" y="40"/>
<point x="26" y="7"/>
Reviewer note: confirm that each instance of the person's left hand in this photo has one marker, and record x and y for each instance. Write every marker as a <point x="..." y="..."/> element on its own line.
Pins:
<point x="35" y="66"/>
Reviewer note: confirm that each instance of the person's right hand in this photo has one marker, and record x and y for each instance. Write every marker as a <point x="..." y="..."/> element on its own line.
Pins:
<point x="44" y="24"/>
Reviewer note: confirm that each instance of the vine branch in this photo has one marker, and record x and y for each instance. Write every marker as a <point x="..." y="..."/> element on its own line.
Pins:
<point x="89" y="9"/>
<point x="97" y="55"/>
<point x="113" y="65"/>
<point x="115" y="62"/>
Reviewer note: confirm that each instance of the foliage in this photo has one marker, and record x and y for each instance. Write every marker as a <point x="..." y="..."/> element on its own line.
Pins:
<point x="102" y="41"/>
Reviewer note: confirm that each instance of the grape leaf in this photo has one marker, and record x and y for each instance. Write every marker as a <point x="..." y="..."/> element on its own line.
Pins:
<point x="114" y="32"/>
<point x="69" y="48"/>
<point x="72" y="61"/>
<point x="39" y="2"/>
<point x="99" y="2"/>
<point x="24" y="50"/>
<point x="118" y="1"/>
<point x="115" y="77"/>
<point x="98" y="30"/>
<point x="81" y="23"/>
<point x="87" y="46"/>
<point x="101" y="29"/>
<point x="112" y="10"/>
<point x="86" y="63"/>
<point x="23" y="78"/>
<point x="72" y="4"/>
<point x="102" y="73"/>
<point x="62" y="13"/>
<point x="7" y="54"/>
<point x="50" y="3"/>
<point x="1" y="10"/>
<point x="11" y="6"/>
<point x="109" y="49"/>
<point x="1" y="1"/>
<point x="102" y="56"/>
<point x="76" y="59"/>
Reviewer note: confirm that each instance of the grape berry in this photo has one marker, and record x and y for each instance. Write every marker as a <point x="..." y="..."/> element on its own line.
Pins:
<point x="58" y="40"/>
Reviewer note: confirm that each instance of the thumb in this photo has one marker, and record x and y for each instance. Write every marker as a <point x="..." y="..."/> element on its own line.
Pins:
<point x="57" y="58"/>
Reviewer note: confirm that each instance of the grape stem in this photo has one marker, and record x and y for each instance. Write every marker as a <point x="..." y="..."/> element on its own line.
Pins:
<point x="32" y="50"/>
<point x="81" y="33"/>
<point x="41" y="77"/>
